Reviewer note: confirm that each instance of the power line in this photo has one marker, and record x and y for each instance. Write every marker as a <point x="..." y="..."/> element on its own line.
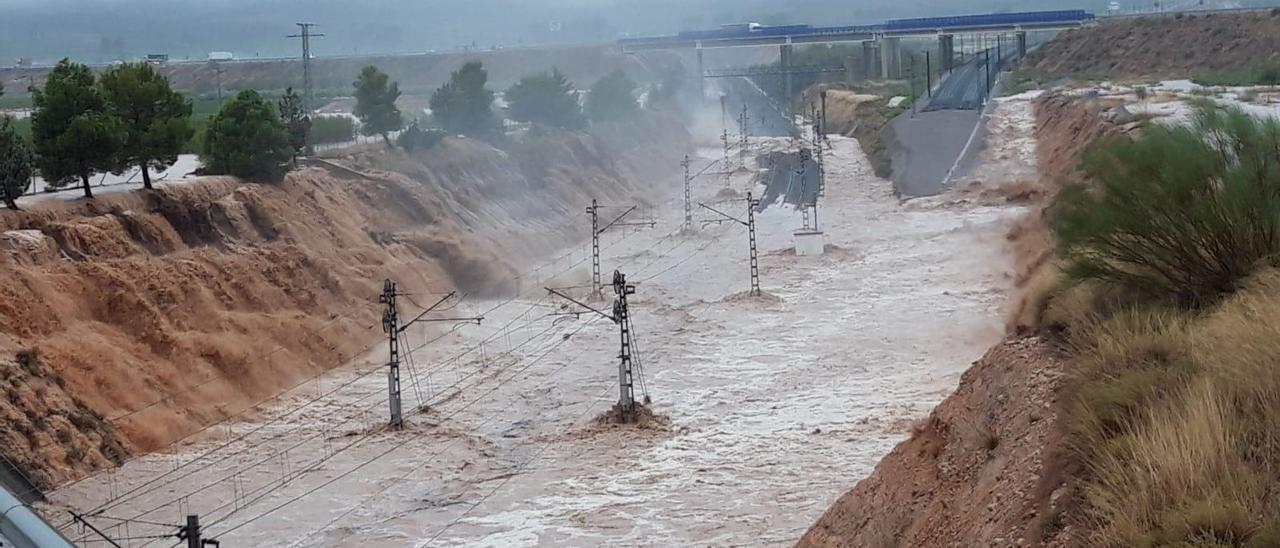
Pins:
<point x="268" y="459"/>
<point x="447" y="447"/>
<point x="414" y="374"/>
<point x="381" y="454"/>
<point x="115" y="501"/>
<point x="306" y="35"/>
<point x="503" y="483"/>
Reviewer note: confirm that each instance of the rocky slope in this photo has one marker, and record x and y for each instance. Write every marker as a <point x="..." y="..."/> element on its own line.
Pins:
<point x="975" y="473"/>
<point x="138" y="318"/>
<point x="1171" y="46"/>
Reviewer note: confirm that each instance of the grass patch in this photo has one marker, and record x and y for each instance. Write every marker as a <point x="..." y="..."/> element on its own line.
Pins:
<point x="1171" y="315"/>
<point x="12" y="100"/>
<point x="1174" y="423"/>
<point x="1261" y="75"/>
<point x="1025" y="79"/>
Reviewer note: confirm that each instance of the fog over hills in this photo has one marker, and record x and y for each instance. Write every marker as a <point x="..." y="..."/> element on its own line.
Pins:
<point x="105" y="30"/>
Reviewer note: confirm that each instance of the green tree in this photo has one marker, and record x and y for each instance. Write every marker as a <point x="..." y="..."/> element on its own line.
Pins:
<point x="73" y="133"/>
<point x="296" y="122"/>
<point x="15" y="164"/>
<point x="547" y="99"/>
<point x="1183" y="213"/>
<point x="464" y="105"/>
<point x="247" y="139"/>
<point x="156" y="118"/>
<point x="612" y="98"/>
<point x="376" y="103"/>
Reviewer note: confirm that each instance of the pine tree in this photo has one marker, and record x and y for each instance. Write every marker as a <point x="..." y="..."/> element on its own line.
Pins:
<point x="612" y="98"/>
<point x="376" y="103"/>
<point x="73" y="133"/>
<point x="15" y="164"/>
<point x="296" y="122"/>
<point x="247" y="139"/>
<point x="157" y="118"/>
<point x="547" y="99"/>
<point x="464" y="105"/>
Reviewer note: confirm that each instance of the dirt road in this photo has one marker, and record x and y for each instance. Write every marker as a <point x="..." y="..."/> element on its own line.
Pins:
<point x="771" y="407"/>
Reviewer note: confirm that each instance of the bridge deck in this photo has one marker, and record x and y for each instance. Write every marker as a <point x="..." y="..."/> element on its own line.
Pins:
<point x="804" y="34"/>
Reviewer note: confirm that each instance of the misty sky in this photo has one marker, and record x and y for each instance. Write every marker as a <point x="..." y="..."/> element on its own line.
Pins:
<point x="104" y="30"/>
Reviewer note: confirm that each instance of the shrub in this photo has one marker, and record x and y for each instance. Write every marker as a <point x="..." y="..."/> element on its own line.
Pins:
<point x="332" y="129"/>
<point x="29" y="359"/>
<point x="1181" y="213"/>
<point x="883" y="167"/>
<point x="415" y="138"/>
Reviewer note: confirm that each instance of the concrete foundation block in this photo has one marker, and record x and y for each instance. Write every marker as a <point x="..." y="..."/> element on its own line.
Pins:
<point x="810" y="243"/>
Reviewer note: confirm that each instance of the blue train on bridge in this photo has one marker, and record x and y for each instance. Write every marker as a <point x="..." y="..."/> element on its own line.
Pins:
<point x="752" y="32"/>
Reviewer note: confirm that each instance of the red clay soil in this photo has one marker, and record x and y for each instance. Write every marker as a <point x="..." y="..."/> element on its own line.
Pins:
<point x="978" y="472"/>
<point x="1066" y="126"/>
<point x="1166" y="46"/>
<point x="155" y="314"/>
<point x="983" y="469"/>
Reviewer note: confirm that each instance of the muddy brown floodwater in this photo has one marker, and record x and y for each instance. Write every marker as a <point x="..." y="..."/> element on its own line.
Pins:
<point x="773" y="406"/>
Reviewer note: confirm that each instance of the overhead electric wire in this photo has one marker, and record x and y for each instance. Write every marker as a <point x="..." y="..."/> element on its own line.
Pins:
<point x="113" y="502"/>
<point x="414" y="374"/>
<point x="379" y="455"/>
<point x="311" y="437"/>
<point x="503" y="483"/>
<point x="298" y="444"/>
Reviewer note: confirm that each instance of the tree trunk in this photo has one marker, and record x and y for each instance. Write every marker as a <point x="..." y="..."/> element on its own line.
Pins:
<point x="10" y="203"/>
<point x="146" y="175"/>
<point x="386" y="140"/>
<point x="88" y="192"/>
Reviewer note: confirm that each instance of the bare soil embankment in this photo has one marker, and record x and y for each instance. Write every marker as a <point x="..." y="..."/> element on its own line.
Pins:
<point x="1161" y="47"/>
<point x="984" y="468"/>
<point x="154" y="314"/>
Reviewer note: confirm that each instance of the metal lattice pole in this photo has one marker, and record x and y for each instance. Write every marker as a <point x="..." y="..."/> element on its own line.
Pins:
<point x="751" y="230"/>
<point x="595" y="246"/>
<point x="822" y="168"/>
<point x="391" y="325"/>
<point x="626" y="379"/>
<point x="804" y="186"/>
<point x="688" y="195"/>
<point x="728" y="169"/>
<point x="308" y="99"/>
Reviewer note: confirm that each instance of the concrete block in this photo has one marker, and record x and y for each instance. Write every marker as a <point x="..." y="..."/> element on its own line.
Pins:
<point x="810" y="243"/>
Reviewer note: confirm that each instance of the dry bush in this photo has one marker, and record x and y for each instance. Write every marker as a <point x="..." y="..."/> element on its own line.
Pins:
<point x="1240" y="345"/>
<point x="1176" y="421"/>
<point x="1122" y="365"/>
<point x="1155" y="489"/>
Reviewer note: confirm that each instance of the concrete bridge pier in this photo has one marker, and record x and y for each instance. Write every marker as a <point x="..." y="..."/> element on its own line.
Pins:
<point x="870" y="58"/>
<point x="702" y="74"/>
<point x="1022" y="43"/>
<point x="946" y="51"/>
<point x="785" y="61"/>
<point x="890" y="57"/>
